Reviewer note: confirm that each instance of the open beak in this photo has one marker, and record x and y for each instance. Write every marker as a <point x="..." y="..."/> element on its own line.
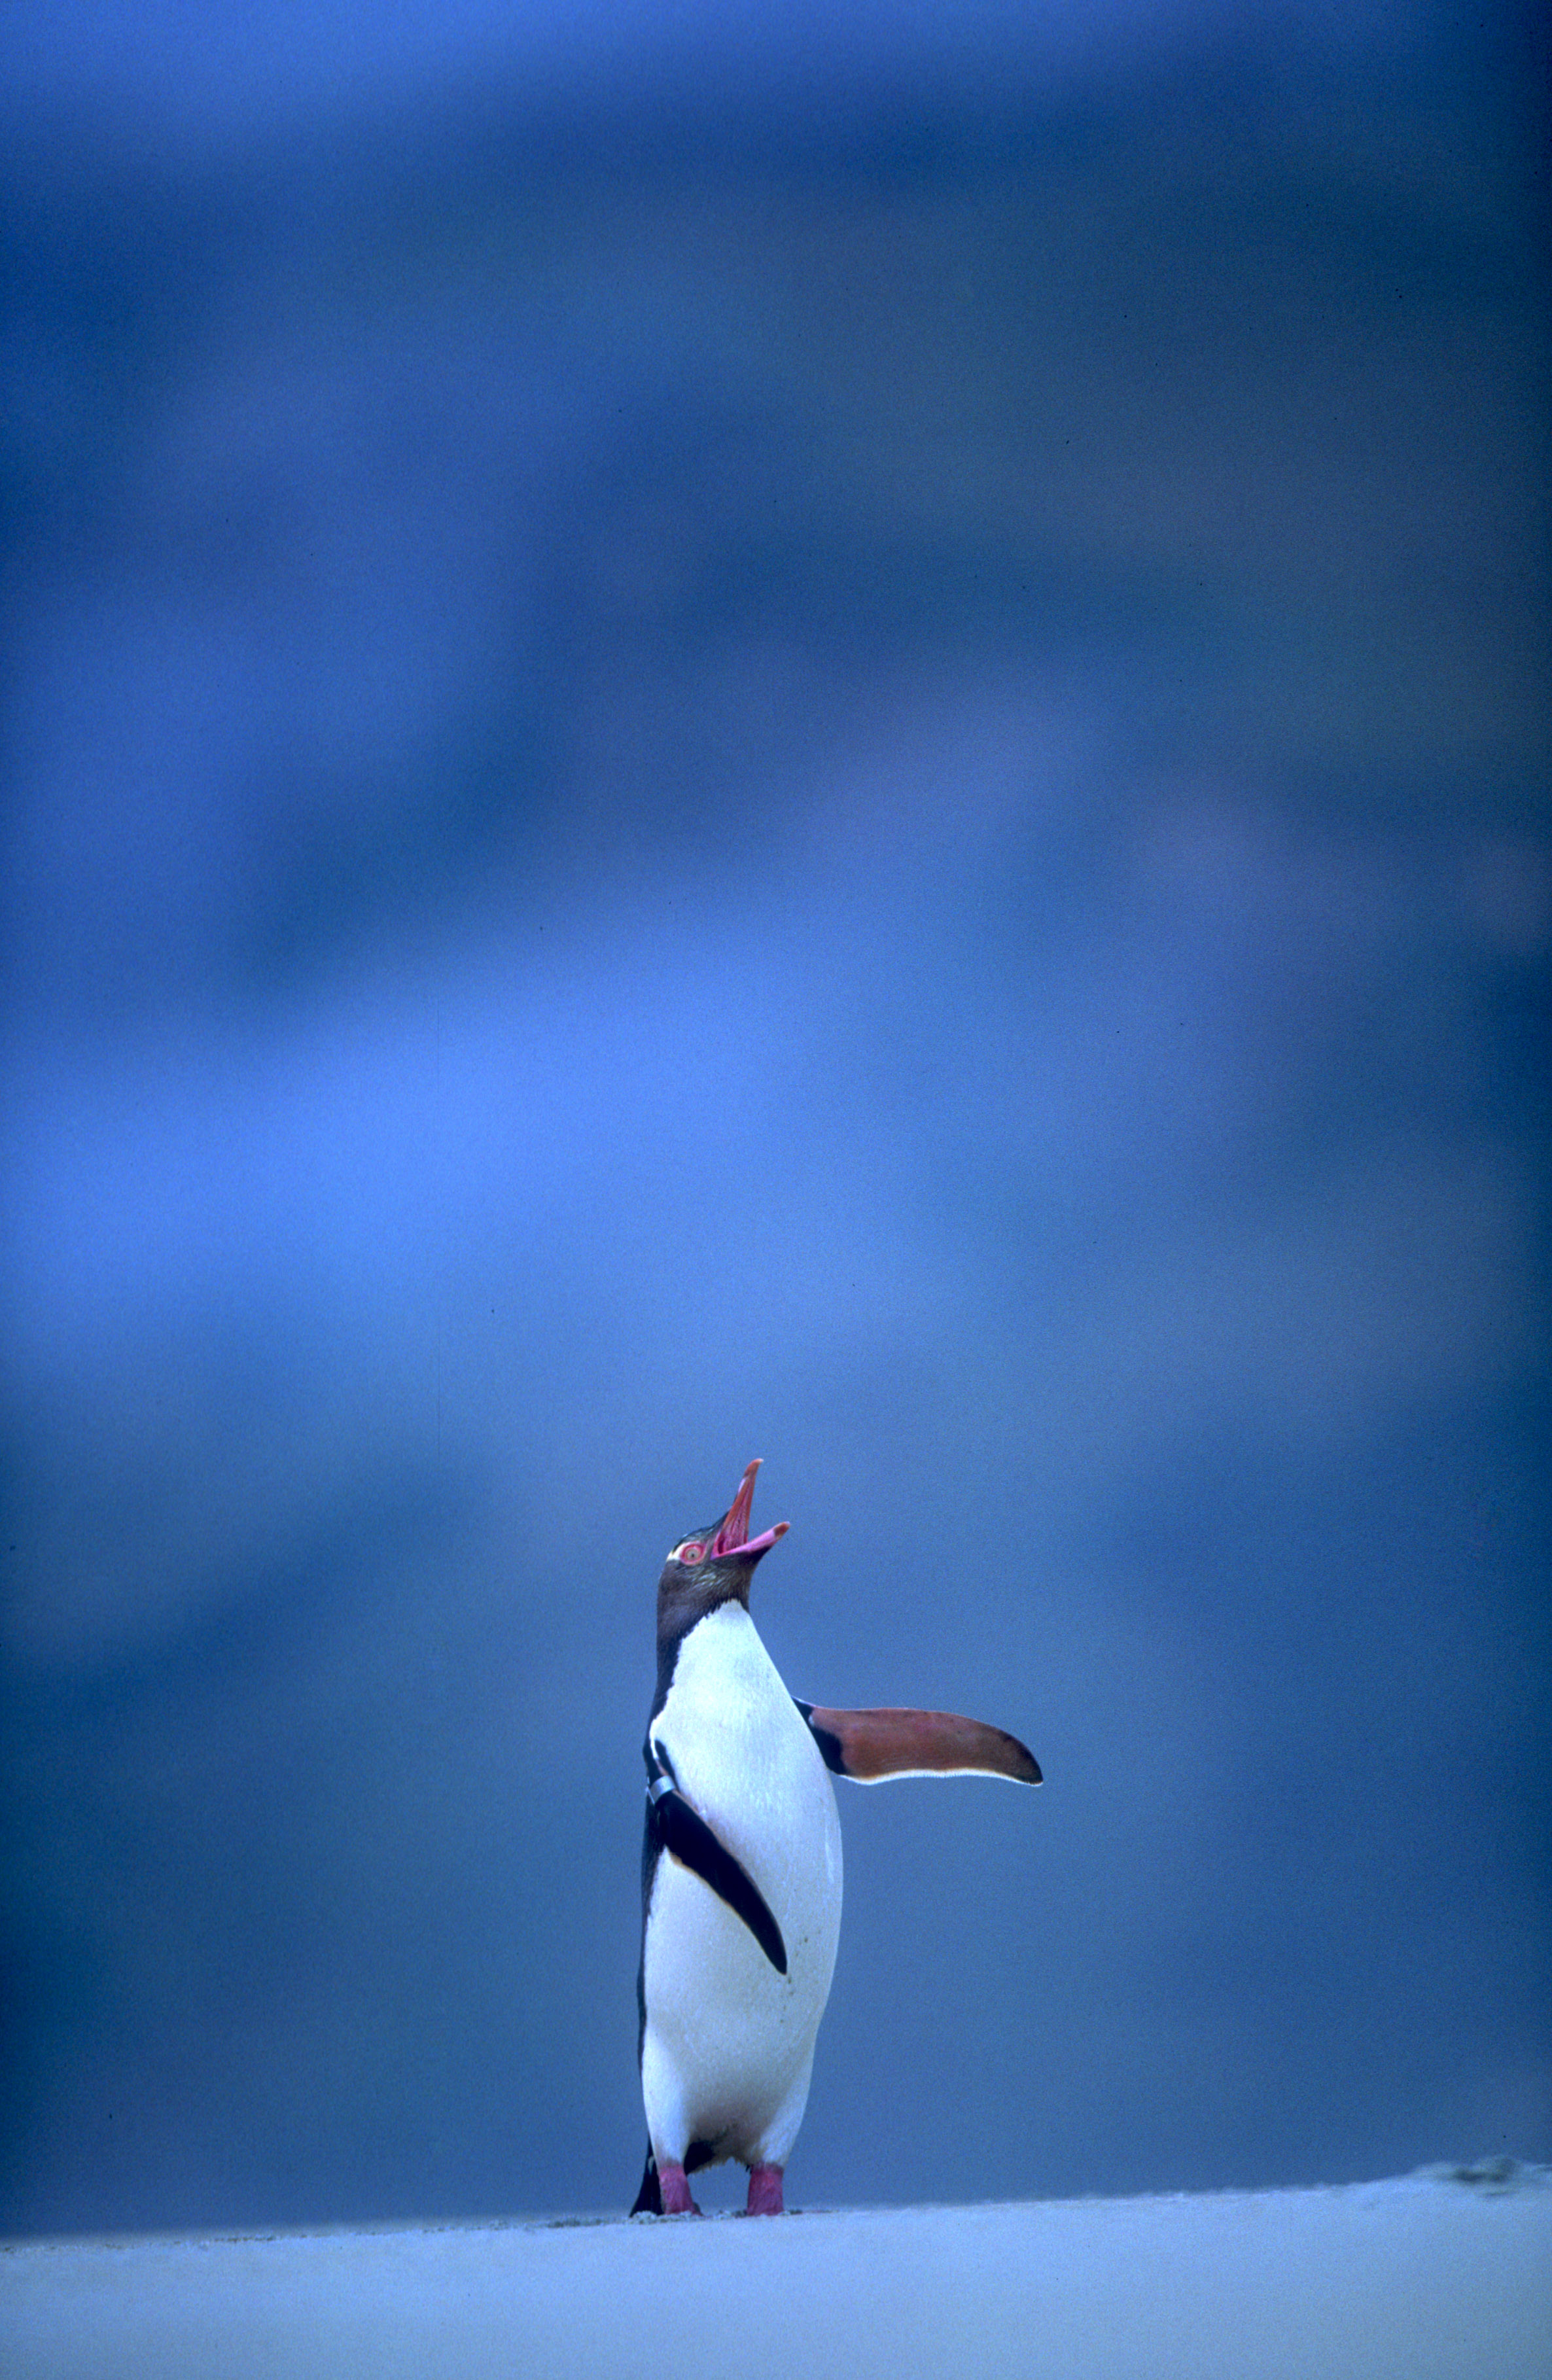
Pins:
<point x="732" y="1541"/>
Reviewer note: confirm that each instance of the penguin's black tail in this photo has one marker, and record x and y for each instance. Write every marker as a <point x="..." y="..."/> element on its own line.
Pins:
<point x="648" y="2198"/>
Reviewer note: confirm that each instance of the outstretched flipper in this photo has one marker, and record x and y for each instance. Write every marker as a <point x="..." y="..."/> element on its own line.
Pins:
<point x="685" y="1836"/>
<point x="870" y="1745"/>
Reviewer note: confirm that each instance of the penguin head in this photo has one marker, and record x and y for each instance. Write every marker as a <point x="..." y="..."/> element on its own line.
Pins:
<point x="715" y="1564"/>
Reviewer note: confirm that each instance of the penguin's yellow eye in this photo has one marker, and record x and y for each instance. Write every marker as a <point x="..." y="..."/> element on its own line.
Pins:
<point x="692" y="1551"/>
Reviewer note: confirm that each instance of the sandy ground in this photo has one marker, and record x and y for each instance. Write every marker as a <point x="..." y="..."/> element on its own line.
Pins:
<point x="1427" y="2276"/>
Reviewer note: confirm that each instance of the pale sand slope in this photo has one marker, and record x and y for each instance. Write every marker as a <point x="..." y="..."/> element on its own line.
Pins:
<point x="1424" y="2277"/>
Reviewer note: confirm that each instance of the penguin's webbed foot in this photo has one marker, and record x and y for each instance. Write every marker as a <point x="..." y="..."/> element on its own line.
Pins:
<point x="675" y="2189"/>
<point x="765" y="2190"/>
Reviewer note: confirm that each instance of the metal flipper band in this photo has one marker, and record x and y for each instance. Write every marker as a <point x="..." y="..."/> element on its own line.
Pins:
<point x="685" y="1836"/>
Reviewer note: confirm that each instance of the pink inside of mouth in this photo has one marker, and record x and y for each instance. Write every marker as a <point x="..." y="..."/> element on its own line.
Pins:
<point x="733" y="1536"/>
<point x="757" y="1545"/>
<point x="733" y="1533"/>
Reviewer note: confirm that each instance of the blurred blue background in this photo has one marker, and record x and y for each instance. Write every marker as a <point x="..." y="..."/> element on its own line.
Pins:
<point x="809" y="732"/>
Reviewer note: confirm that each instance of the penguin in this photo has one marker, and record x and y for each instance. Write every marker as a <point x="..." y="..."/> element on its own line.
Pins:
<point x="741" y="1869"/>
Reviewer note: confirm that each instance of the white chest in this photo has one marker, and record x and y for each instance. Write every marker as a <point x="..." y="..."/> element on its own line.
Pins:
<point x="741" y="1750"/>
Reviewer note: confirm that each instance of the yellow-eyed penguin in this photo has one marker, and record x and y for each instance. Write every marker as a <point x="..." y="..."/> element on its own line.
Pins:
<point x="741" y="1867"/>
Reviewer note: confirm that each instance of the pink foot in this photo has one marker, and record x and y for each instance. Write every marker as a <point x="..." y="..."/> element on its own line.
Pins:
<point x="675" y="2189"/>
<point x="765" y="2190"/>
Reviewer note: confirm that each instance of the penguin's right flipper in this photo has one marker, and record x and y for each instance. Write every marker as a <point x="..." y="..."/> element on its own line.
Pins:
<point x="685" y="1836"/>
<point x="648" y="2198"/>
<point x="870" y="1745"/>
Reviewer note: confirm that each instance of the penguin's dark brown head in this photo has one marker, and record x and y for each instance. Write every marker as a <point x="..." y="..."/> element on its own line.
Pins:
<point x="713" y="1565"/>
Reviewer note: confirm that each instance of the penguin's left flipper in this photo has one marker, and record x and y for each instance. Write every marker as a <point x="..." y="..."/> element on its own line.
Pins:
<point x="685" y="1836"/>
<point x="870" y="1745"/>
